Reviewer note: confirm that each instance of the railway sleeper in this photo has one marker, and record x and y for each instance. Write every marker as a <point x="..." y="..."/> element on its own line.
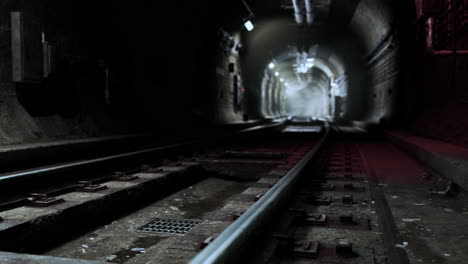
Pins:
<point x="23" y="228"/>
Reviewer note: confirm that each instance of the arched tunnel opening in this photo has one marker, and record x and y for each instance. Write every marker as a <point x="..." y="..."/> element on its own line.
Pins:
<point x="302" y="84"/>
<point x="318" y="67"/>
<point x="342" y="65"/>
<point x="259" y="131"/>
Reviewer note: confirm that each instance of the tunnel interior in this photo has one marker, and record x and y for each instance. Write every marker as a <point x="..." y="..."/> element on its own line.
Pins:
<point x="301" y="83"/>
<point x="323" y="59"/>
<point x="207" y="102"/>
<point x="331" y="60"/>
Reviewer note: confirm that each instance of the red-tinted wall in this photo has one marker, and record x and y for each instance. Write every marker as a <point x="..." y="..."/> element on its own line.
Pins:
<point x="441" y="79"/>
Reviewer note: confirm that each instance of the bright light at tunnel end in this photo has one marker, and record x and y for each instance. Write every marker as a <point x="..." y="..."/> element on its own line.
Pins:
<point x="249" y="25"/>
<point x="304" y="63"/>
<point x="300" y="81"/>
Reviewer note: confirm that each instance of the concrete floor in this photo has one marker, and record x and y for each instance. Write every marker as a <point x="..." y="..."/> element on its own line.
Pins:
<point x="434" y="226"/>
<point x="118" y="242"/>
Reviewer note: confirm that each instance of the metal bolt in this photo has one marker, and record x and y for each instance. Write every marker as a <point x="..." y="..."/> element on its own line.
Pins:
<point x="258" y="196"/>
<point x="306" y="249"/>
<point x="347" y="199"/>
<point x="344" y="247"/>
<point x="87" y="186"/>
<point x="207" y="241"/>
<point x="237" y="215"/>
<point x="316" y="219"/>
<point x="39" y="195"/>
<point x="42" y="200"/>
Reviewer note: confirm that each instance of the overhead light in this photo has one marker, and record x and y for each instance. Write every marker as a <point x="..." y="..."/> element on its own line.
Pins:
<point x="249" y="26"/>
<point x="303" y="62"/>
<point x="271" y="65"/>
<point x="282" y="80"/>
<point x="276" y="74"/>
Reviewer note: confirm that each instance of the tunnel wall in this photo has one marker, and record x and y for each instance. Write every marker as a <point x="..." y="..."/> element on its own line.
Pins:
<point x="439" y="97"/>
<point x="36" y="112"/>
<point x="372" y="22"/>
<point x="163" y="74"/>
<point x="414" y="87"/>
<point x="443" y="106"/>
<point x="229" y="94"/>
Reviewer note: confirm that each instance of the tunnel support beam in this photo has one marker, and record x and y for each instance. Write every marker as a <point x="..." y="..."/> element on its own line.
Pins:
<point x="309" y="12"/>
<point x="298" y="13"/>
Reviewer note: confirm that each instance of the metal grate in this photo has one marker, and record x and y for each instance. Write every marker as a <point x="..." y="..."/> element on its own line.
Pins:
<point x="169" y="226"/>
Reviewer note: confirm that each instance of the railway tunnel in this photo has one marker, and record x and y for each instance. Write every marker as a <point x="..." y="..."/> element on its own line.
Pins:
<point x="259" y="131"/>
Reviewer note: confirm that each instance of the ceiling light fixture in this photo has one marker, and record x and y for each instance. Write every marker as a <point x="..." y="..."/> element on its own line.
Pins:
<point x="249" y="25"/>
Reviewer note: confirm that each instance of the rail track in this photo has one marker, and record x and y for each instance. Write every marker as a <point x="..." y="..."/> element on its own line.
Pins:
<point x="334" y="214"/>
<point x="65" y="200"/>
<point x="305" y="195"/>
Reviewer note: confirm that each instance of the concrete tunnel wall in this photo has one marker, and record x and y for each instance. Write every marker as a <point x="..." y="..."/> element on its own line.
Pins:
<point x="373" y="22"/>
<point x="164" y="75"/>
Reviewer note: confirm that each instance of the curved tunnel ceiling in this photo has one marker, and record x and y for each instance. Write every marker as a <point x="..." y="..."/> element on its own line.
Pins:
<point x="338" y="42"/>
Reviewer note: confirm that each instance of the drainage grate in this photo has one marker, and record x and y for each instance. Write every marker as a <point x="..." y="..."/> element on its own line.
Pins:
<point x="169" y="226"/>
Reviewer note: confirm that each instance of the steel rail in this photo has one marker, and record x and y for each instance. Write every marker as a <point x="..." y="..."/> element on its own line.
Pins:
<point x="46" y="170"/>
<point x="233" y="241"/>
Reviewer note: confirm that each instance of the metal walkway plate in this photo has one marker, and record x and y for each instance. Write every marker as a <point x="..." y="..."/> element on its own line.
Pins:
<point x="169" y="226"/>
